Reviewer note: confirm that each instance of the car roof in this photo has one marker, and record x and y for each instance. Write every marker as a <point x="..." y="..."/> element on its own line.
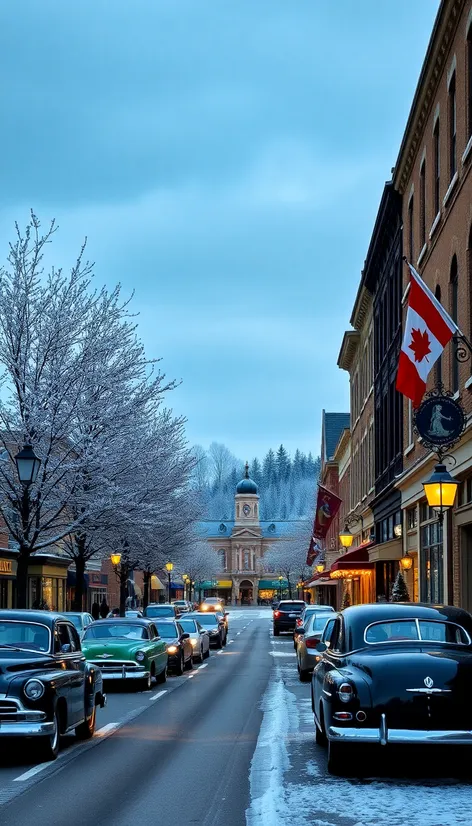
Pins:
<point x="137" y="620"/>
<point x="31" y="615"/>
<point x="159" y="605"/>
<point x="296" y="601"/>
<point x="357" y="617"/>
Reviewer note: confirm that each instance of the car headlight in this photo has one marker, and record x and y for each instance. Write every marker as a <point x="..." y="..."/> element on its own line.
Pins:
<point x="34" y="689"/>
<point x="204" y="607"/>
<point x="140" y="656"/>
<point x="194" y="641"/>
<point x="172" y="649"/>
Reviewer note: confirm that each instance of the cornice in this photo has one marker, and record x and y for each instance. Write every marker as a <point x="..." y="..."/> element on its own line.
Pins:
<point x="362" y="306"/>
<point x="430" y="76"/>
<point x="348" y="349"/>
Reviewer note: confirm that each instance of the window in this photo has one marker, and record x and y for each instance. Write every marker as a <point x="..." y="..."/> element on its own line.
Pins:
<point x="61" y="638"/>
<point x="410" y="422"/>
<point x="222" y="559"/>
<point x="410" y="228"/>
<point x="452" y="127"/>
<point x="416" y="629"/>
<point x="469" y="82"/>
<point x="465" y="496"/>
<point x="423" y="205"/>
<point x="247" y="561"/>
<point x="411" y="519"/>
<point x="469" y="274"/>
<point x="436" y="169"/>
<point x="454" y="311"/>
<point x="432" y="563"/>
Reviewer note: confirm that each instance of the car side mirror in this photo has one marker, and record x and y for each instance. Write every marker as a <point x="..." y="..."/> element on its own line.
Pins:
<point x="321" y="647"/>
<point x="66" y="648"/>
<point x="185" y="636"/>
<point x="203" y="631"/>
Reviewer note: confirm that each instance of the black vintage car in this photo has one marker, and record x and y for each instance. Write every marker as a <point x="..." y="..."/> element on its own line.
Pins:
<point x="393" y="673"/>
<point x="46" y="686"/>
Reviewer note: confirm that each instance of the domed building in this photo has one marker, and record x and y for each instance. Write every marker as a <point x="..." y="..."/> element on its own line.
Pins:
<point x="240" y="544"/>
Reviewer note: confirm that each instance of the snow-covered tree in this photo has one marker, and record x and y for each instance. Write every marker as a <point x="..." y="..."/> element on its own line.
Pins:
<point x="288" y="557"/>
<point x="399" y="589"/>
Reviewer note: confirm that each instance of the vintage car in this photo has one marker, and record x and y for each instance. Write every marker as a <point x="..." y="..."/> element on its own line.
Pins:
<point x="46" y="686"/>
<point x="393" y="673"/>
<point x="127" y="649"/>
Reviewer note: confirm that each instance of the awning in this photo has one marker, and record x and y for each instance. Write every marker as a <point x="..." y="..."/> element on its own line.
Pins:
<point x="321" y="580"/>
<point x="156" y="584"/>
<point x="272" y="584"/>
<point x="355" y="560"/>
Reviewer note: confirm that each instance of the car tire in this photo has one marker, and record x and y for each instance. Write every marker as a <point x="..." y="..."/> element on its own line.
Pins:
<point x="276" y="632"/>
<point x="179" y="670"/>
<point x="49" y="746"/>
<point x="162" y="676"/>
<point x="219" y="644"/>
<point x="207" y="653"/>
<point x="199" y="659"/>
<point x="189" y="664"/>
<point x="304" y="675"/>
<point x="320" y="734"/>
<point x="86" y="730"/>
<point x="145" y="684"/>
<point x="337" y="758"/>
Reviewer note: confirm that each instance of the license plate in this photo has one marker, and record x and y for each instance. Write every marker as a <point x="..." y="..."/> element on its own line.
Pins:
<point x="292" y="615"/>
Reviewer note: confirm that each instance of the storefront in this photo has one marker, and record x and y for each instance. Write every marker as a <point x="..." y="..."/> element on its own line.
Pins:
<point x="7" y="581"/>
<point x="386" y="558"/>
<point x="220" y="588"/>
<point x="270" y="589"/>
<point x="47" y="581"/>
<point x="356" y="572"/>
<point x="322" y="590"/>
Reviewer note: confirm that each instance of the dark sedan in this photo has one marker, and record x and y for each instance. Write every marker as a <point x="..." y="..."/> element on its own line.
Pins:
<point x="46" y="686"/>
<point x="286" y="614"/>
<point x="305" y="616"/>
<point x="393" y="673"/>
<point x="214" y="625"/>
<point x="179" y="646"/>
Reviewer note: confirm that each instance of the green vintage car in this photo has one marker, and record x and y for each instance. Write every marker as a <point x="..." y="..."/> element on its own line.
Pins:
<point x="127" y="649"/>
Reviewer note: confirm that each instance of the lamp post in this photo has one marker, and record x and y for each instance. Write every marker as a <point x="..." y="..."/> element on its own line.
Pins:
<point x="169" y="569"/>
<point x="280" y="586"/>
<point x="299" y="587"/>
<point x="440" y="490"/>
<point x="27" y="467"/>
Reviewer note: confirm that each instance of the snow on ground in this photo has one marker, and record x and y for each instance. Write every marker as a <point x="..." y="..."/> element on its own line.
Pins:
<point x="289" y="785"/>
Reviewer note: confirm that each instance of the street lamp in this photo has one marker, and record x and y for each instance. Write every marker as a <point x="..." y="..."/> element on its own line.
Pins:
<point x="169" y="568"/>
<point x="115" y="560"/>
<point x="185" y="580"/>
<point x="320" y="567"/>
<point x="440" y="490"/>
<point x="406" y="562"/>
<point x="27" y="465"/>
<point x="280" y="586"/>
<point x="299" y="587"/>
<point x="346" y="538"/>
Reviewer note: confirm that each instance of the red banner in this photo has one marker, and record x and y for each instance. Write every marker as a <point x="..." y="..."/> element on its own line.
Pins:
<point x="313" y="551"/>
<point x="327" y="506"/>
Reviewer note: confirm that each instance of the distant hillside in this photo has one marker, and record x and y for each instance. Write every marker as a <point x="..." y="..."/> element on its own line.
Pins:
<point x="286" y="485"/>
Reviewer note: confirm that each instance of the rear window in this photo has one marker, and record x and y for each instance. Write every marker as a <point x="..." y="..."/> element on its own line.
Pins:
<point x="291" y="607"/>
<point x="316" y="623"/>
<point x="159" y="611"/>
<point x="412" y="629"/>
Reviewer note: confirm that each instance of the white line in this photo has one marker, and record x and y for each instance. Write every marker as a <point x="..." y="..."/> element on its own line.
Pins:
<point x="230" y="641"/>
<point x="202" y="666"/>
<point x="238" y="633"/>
<point x="106" y="729"/>
<point x="159" y="694"/>
<point x="219" y="652"/>
<point x="33" y="771"/>
<point x="191" y="676"/>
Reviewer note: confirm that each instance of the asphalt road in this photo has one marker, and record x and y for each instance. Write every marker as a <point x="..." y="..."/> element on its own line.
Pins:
<point x="182" y="755"/>
<point x="231" y="743"/>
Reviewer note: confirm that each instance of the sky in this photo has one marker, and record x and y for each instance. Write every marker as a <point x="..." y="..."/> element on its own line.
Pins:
<point x="225" y="161"/>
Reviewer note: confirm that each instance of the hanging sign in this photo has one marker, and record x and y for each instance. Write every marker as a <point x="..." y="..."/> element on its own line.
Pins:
<point x="440" y="421"/>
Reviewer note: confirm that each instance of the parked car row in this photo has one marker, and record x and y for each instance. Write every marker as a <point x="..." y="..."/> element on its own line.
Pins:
<point x="54" y="667"/>
<point x="386" y="673"/>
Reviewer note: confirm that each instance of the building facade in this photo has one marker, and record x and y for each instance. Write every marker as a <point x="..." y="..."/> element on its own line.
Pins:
<point x="433" y="178"/>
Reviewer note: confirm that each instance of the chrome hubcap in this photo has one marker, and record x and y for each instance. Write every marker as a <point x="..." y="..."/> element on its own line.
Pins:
<point x="55" y="734"/>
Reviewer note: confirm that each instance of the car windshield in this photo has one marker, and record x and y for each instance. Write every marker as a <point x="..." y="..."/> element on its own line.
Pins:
<point x="291" y="607"/>
<point x="167" y="630"/>
<point x="208" y="619"/>
<point x="116" y="631"/>
<point x="316" y="623"/>
<point x="160" y="611"/>
<point x="77" y="620"/>
<point x="412" y="629"/>
<point x="28" y="635"/>
<point x="189" y="626"/>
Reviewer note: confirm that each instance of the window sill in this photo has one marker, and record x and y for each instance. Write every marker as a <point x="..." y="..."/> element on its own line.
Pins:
<point x="467" y="151"/>
<point x="408" y="449"/>
<point x="468" y="383"/>
<point x="451" y="188"/>
<point x="422" y="254"/>
<point x="435" y="225"/>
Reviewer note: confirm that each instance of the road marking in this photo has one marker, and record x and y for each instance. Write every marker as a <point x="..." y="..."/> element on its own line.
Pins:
<point x="282" y="654"/>
<point x="230" y="641"/>
<point x="219" y="652"/>
<point x="106" y="729"/>
<point x="33" y="771"/>
<point x="238" y="633"/>
<point x="202" y="666"/>
<point x="191" y="676"/>
<point x="159" y="694"/>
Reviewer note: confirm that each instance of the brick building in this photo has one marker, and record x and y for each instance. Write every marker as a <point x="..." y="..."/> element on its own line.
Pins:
<point x="433" y="177"/>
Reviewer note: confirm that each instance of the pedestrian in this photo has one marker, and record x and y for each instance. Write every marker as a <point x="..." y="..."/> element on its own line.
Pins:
<point x="104" y="608"/>
<point x="95" y="611"/>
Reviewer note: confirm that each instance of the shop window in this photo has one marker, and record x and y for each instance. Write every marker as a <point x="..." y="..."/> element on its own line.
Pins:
<point x="411" y="518"/>
<point x="427" y="513"/>
<point x="432" y="563"/>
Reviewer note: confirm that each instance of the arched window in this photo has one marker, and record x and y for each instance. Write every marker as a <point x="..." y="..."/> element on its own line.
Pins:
<point x="222" y="559"/>
<point x="247" y="560"/>
<point x="452" y="127"/>
<point x="237" y="511"/>
<point x="438" y="365"/>
<point x="469" y="273"/>
<point x="454" y="279"/>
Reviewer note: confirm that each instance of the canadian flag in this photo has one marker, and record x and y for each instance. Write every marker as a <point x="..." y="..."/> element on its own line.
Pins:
<point x="427" y="331"/>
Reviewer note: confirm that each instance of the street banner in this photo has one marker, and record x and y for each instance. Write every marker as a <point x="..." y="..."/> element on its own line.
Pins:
<point x="428" y="329"/>
<point x="313" y="551"/>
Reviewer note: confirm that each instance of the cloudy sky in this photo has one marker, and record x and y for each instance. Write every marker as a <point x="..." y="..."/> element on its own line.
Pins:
<point x="225" y="159"/>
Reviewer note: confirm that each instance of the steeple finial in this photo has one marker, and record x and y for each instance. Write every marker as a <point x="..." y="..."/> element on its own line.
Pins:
<point x="247" y="470"/>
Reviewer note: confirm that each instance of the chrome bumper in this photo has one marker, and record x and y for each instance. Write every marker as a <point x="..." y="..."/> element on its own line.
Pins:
<point x="25" y="729"/>
<point x="125" y="675"/>
<point x="383" y="735"/>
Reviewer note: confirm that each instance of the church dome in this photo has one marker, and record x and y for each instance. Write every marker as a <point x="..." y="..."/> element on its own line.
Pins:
<point x="246" y="485"/>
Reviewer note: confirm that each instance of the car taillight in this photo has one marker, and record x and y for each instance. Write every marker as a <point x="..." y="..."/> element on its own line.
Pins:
<point x="345" y="692"/>
<point x="276" y="613"/>
<point x="299" y="622"/>
<point x="312" y="642"/>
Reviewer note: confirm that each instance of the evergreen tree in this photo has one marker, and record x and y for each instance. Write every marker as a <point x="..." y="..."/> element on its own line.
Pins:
<point x="346" y="603"/>
<point x="269" y="469"/>
<point x="399" y="590"/>
<point x="256" y="471"/>
<point x="283" y="465"/>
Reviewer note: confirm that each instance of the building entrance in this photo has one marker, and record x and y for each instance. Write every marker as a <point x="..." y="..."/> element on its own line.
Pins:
<point x="246" y="592"/>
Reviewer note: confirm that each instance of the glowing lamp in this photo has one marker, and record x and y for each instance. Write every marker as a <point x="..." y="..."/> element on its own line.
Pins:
<point x="406" y="562"/>
<point x="346" y="538"/>
<point x="27" y="465"/>
<point x="169" y="567"/>
<point x="440" y="489"/>
<point x="115" y="559"/>
<point x="320" y="567"/>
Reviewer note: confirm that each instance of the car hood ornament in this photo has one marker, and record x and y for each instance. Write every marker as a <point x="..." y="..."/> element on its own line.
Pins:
<point x="104" y="656"/>
<point x="428" y="682"/>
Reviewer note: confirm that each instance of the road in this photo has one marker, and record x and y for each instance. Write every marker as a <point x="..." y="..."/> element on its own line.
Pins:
<point x="229" y="743"/>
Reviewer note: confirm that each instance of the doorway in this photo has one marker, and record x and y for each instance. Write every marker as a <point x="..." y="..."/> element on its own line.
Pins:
<point x="246" y="592"/>
<point x="4" y="593"/>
